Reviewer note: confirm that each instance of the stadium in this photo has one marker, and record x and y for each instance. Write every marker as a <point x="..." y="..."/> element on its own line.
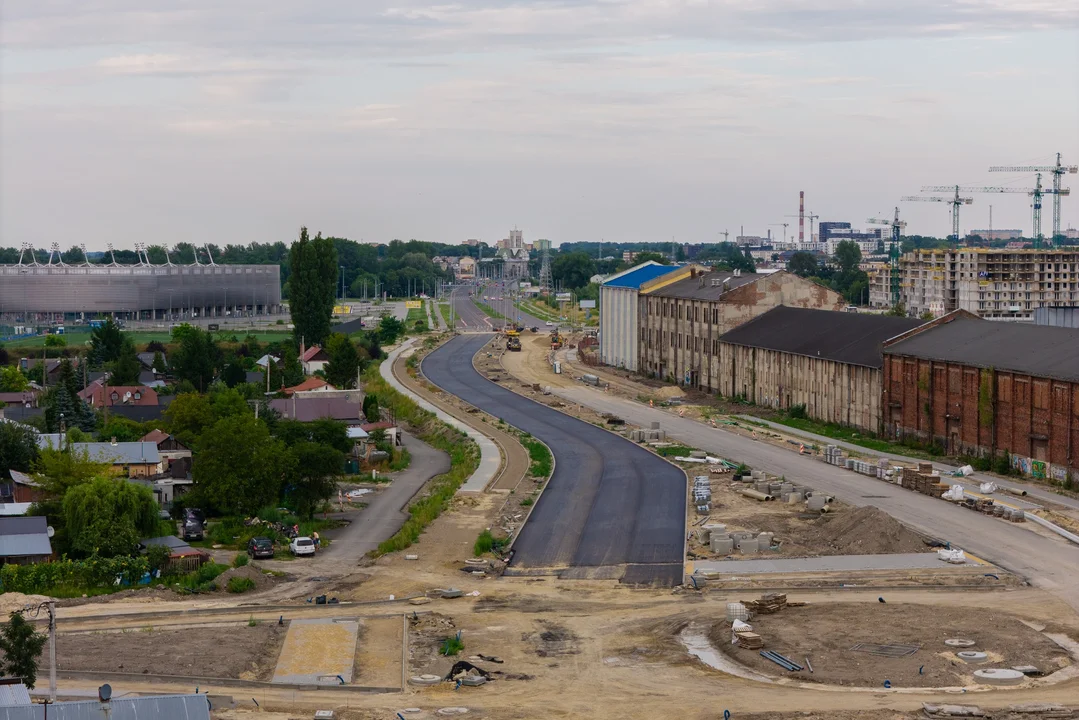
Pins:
<point x="56" y="291"/>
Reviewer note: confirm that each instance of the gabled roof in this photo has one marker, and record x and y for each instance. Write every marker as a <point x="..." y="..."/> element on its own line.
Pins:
<point x="308" y="408"/>
<point x="121" y="453"/>
<point x="638" y="275"/>
<point x="99" y="395"/>
<point x="147" y="359"/>
<point x="266" y="360"/>
<point x="851" y="338"/>
<point x="1036" y="350"/>
<point x="155" y="436"/>
<point x="24" y="537"/>
<point x="311" y="383"/>
<point x="313" y="353"/>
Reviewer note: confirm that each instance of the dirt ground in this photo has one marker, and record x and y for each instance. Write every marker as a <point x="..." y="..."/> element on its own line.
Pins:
<point x="197" y="651"/>
<point x="826" y="634"/>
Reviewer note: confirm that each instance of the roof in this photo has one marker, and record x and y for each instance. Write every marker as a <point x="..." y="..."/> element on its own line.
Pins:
<point x="20" y="478"/>
<point x="24" y="537"/>
<point x="14" y="509"/>
<point x="176" y="546"/>
<point x="148" y="378"/>
<point x="121" y="453"/>
<point x="312" y="353"/>
<point x="1037" y="350"/>
<point x="266" y="359"/>
<point x="355" y="433"/>
<point x="19" y="398"/>
<point x="383" y="425"/>
<point x="147" y="359"/>
<point x="98" y="393"/>
<point x="637" y="276"/>
<point x="352" y="326"/>
<point x="155" y="436"/>
<point x="309" y="408"/>
<point x="13" y="692"/>
<point x="706" y="286"/>
<point x="311" y="383"/>
<point x="254" y="377"/>
<point x="851" y="338"/>
<point x="155" y="707"/>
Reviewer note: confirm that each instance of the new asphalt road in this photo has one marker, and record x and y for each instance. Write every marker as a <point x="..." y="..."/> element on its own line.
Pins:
<point x="611" y="509"/>
<point x="469" y="317"/>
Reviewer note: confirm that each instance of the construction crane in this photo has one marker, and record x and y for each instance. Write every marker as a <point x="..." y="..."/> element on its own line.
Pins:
<point x="1058" y="172"/>
<point x="785" y="226"/>
<point x="811" y="216"/>
<point x="955" y="202"/>
<point x="1037" y="192"/>
<point x="893" y="252"/>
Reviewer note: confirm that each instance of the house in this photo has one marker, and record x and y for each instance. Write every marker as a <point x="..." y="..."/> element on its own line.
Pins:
<point x="264" y="361"/>
<point x="150" y="379"/>
<point x="168" y="447"/>
<point x="156" y="707"/>
<point x="21" y="489"/>
<point x="26" y="398"/>
<point x="24" y="540"/>
<point x="101" y="395"/>
<point x="321" y="406"/>
<point x="310" y="385"/>
<point x="314" y="359"/>
<point x="129" y="459"/>
<point x="392" y="432"/>
<point x="147" y="360"/>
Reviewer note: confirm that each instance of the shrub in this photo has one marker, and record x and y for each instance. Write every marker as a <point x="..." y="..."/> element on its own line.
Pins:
<point x="798" y="412"/>
<point x="240" y="584"/>
<point x="451" y="645"/>
<point x="526" y="502"/>
<point x="240" y="560"/>
<point x="1002" y="464"/>
<point x="484" y="543"/>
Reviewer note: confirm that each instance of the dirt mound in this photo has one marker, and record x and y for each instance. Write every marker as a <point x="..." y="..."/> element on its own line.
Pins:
<point x="668" y="392"/>
<point x="262" y="580"/>
<point x="12" y="601"/>
<point x="868" y="531"/>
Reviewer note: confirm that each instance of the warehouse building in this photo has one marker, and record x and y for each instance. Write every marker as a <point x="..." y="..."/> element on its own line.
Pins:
<point x="683" y="317"/>
<point x="618" y="313"/>
<point x="830" y="362"/>
<point x="987" y="388"/>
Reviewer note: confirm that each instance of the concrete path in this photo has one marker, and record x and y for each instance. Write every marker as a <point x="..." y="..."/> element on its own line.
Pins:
<point x="318" y="651"/>
<point x="490" y="457"/>
<point x="1033" y="491"/>
<point x="834" y="563"/>
<point x="385" y="514"/>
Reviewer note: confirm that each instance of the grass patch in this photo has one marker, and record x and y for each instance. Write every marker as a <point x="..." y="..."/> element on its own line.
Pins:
<point x="672" y="450"/>
<point x="452" y="645"/>
<point x="868" y="441"/>
<point x="240" y="560"/>
<point x="488" y="310"/>
<point x="202" y="579"/>
<point x="401" y="460"/>
<point x="464" y="459"/>
<point x="527" y="502"/>
<point x="416" y="320"/>
<point x="240" y="585"/>
<point x="447" y="314"/>
<point x="542" y="461"/>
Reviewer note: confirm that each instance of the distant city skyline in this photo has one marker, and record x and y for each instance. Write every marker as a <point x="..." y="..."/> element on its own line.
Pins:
<point x="573" y="120"/>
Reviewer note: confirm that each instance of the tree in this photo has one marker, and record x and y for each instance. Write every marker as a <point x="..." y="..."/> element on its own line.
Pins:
<point x="57" y="341"/>
<point x="11" y="380"/>
<point x="21" y="645"/>
<point x="158" y="364"/>
<point x="318" y="469"/>
<point x="312" y="287"/>
<point x="188" y="416"/>
<point x="370" y="408"/>
<point x="233" y="374"/>
<point x="573" y="270"/>
<point x="651" y="256"/>
<point x="240" y="468"/>
<point x="389" y="329"/>
<point x="848" y="256"/>
<point x="121" y="428"/>
<point x="126" y="367"/>
<point x="105" y="343"/>
<point x="228" y="402"/>
<point x="18" y="448"/>
<point x="331" y="433"/>
<point x="107" y="516"/>
<point x="62" y="402"/>
<point x="291" y="369"/>
<point x="803" y="264"/>
<point x="197" y="357"/>
<point x="57" y="470"/>
<point x="344" y="364"/>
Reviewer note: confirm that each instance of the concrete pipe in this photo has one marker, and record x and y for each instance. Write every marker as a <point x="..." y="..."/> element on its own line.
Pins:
<point x="757" y="495"/>
<point x="1015" y="491"/>
<point x="999" y="676"/>
<point x="959" y="642"/>
<point x="972" y="657"/>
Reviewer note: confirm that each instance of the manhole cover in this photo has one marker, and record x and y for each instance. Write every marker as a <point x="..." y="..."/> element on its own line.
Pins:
<point x="893" y="651"/>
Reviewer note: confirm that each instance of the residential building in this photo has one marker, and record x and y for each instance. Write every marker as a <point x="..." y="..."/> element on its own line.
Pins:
<point x="100" y="395"/>
<point x="322" y="406"/>
<point x="314" y="359"/>
<point x="22" y="488"/>
<point x="994" y="283"/>
<point x="25" y="398"/>
<point x="310" y="385"/>
<point x="24" y="540"/>
<point x="129" y="459"/>
<point x="168" y="448"/>
<point x="154" y="707"/>
<point x="619" y="314"/>
<point x="683" y="315"/>
<point x="829" y="362"/>
<point x="988" y="388"/>
<point x="629" y="256"/>
<point x="998" y="234"/>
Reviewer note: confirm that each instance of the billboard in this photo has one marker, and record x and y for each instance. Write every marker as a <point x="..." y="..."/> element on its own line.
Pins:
<point x="588" y="304"/>
<point x="413" y="304"/>
<point x="342" y="309"/>
<point x="563" y="297"/>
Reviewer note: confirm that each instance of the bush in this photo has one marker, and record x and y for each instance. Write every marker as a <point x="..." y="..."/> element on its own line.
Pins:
<point x="240" y="560"/>
<point x="94" y="572"/>
<point x="203" y="578"/>
<point x="798" y="412"/>
<point x="526" y="502"/>
<point x="1002" y="464"/>
<point x="451" y="645"/>
<point x="484" y="543"/>
<point x="240" y="584"/>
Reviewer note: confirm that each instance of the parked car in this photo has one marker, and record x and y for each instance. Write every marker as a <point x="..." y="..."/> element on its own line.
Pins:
<point x="195" y="515"/>
<point x="549" y="323"/>
<point x="302" y="546"/>
<point x="193" y="530"/>
<point x="260" y="547"/>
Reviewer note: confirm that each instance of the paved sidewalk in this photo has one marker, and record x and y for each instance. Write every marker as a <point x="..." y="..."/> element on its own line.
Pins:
<point x="833" y="563"/>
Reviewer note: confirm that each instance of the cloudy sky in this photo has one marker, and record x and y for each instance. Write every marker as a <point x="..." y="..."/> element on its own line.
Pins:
<point x="626" y="120"/>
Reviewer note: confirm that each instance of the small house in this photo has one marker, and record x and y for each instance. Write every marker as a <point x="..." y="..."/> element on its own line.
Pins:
<point x="100" y="395"/>
<point x="24" y="540"/>
<point x="310" y="385"/>
<point x="314" y="359"/>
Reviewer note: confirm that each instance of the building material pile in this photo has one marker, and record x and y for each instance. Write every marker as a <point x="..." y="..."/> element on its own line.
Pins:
<point x="749" y="640"/>
<point x="767" y="604"/>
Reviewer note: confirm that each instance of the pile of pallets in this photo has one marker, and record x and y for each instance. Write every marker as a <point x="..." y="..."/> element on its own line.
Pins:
<point x="749" y="640"/>
<point x="922" y="480"/>
<point x="769" y="603"/>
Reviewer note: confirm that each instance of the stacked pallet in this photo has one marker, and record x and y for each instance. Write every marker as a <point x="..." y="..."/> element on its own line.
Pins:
<point x="768" y="604"/>
<point x="749" y="640"/>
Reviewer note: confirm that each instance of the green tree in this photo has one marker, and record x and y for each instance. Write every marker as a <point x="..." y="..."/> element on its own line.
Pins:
<point x="318" y="469"/>
<point x="21" y="646"/>
<point x="803" y="264"/>
<point x="240" y="467"/>
<point x="188" y="416"/>
<point x="126" y="367"/>
<point x="197" y="357"/>
<point x="18" y="448"/>
<point x="106" y="341"/>
<point x="233" y="374"/>
<point x="389" y="329"/>
<point x="107" y="516"/>
<point x="62" y="402"/>
<point x="573" y="270"/>
<point x="370" y="408"/>
<point x="57" y="470"/>
<point x="344" y="364"/>
<point x="651" y="256"/>
<point x="121" y="428"/>
<point x="57" y="341"/>
<point x="848" y="256"/>
<point x="11" y="380"/>
<point x="312" y="284"/>
<point x="228" y="402"/>
<point x="331" y="433"/>
<point x="291" y="369"/>
<point x="158" y="364"/>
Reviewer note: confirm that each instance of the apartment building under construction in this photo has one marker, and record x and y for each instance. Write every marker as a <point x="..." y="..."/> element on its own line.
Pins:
<point x="993" y="283"/>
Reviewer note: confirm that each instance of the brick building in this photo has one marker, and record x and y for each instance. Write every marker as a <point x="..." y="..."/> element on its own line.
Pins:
<point x="830" y="362"/>
<point x="681" y="320"/>
<point x="981" y="387"/>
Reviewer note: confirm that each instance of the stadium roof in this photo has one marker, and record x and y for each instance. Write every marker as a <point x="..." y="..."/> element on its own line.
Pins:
<point x="639" y="275"/>
<point x="851" y="338"/>
<point x="1035" y="350"/>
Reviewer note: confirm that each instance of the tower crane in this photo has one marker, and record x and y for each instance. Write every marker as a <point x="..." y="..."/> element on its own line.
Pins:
<point x="954" y="201"/>
<point x="785" y="226"/>
<point x="893" y="252"/>
<point x="811" y="216"/>
<point x="1037" y="192"/>
<point x="1058" y="171"/>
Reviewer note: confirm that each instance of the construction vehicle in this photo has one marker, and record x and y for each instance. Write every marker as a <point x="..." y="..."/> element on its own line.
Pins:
<point x="513" y="344"/>
<point x="556" y="341"/>
<point x="512" y="331"/>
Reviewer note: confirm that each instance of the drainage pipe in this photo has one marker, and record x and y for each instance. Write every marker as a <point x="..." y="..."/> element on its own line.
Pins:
<point x="749" y="493"/>
<point x="1055" y="528"/>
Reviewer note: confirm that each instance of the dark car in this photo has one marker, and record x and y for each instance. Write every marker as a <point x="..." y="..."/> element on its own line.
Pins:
<point x="193" y="530"/>
<point x="195" y="515"/>
<point x="260" y="547"/>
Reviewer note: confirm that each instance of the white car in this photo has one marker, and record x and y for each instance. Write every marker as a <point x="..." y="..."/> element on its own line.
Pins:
<point x="549" y="323"/>
<point x="302" y="546"/>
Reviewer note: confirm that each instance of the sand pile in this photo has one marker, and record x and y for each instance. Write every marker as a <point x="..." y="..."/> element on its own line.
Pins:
<point x="12" y="601"/>
<point x="868" y="531"/>
<point x="668" y="392"/>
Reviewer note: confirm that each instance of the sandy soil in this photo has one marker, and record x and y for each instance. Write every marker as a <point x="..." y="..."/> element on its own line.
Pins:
<point x="826" y="633"/>
<point x="198" y="651"/>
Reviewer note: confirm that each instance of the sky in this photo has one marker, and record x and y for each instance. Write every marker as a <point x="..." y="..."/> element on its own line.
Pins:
<point x="130" y="121"/>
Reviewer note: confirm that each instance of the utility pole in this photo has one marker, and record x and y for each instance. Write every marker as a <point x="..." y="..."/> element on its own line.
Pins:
<point x="34" y="611"/>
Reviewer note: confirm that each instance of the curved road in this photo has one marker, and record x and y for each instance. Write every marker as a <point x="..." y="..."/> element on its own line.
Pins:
<point x="611" y="509"/>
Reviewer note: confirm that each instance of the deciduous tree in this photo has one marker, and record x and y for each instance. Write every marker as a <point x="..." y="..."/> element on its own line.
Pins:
<point x="240" y="467"/>
<point x="344" y="362"/>
<point x="318" y="468"/>
<point x="18" y="448"/>
<point x="21" y="646"/>
<point x="107" y="516"/>
<point x="312" y="287"/>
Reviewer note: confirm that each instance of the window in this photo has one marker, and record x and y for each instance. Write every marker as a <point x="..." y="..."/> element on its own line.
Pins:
<point x="138" y="395"/>
<point x="114" y="397"/>
<point x="696" y="314"/>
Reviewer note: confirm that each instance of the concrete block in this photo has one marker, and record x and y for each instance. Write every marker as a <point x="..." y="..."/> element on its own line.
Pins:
<point x="700" y="454"/>
<point x="786" y="487"/>
<point x="764" y="540"/>
<point x="722" y="545"/>
<point x="774" y="488"/>
<point x="795" y="497"/>
<point x="749" y="546"/>
<point x="816" y="502"/>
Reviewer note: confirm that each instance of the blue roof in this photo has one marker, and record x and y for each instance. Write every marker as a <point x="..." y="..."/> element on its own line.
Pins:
<point x="635" y="277"/>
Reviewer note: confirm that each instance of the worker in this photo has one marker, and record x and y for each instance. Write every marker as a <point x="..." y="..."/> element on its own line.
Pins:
<point x="317" y="539"/>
